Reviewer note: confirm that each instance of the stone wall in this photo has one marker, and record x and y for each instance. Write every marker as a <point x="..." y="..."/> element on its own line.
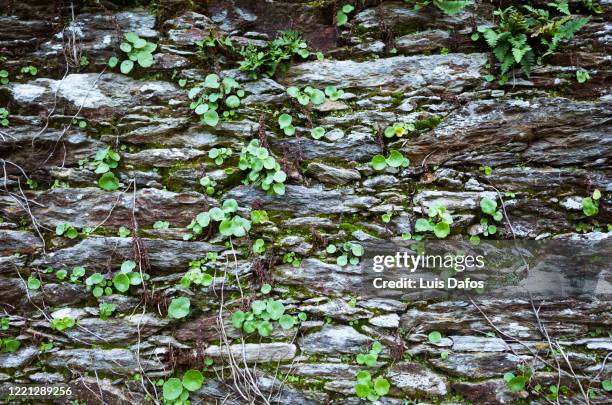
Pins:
<point x="545" y="137"/>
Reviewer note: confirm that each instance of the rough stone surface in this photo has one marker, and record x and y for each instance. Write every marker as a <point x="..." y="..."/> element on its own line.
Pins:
<point x="540" y="144"/>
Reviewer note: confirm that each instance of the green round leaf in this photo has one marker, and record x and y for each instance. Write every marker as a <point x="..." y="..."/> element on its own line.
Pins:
<point x="211" y="118"/>
<point x="317" y="97"/>
<point x="435" y="337"/>
<point x="33" y="283"/>
<point x="341" y="18"/>
<point x="140" y="43"/>
<point x="441" y="230"/>
<point x="317" y="133"/>
<point x="395" y="159"/>
<point x="126" y="66"/>
<point x="265" y="328"/>
<point x="192" y="380"/>
<point x="108" y="182"/>
<point x="121" y="282"/>
<point x="125" y="47"/>
<point x="286" y="321"/>
<point x="488" y="205"/>
<point x="342" y="260"/>
<point x="201" y="109"/>
<point x="266" y="288"/>
<point x="347" y="8"/>
<point x="172" y="389"/>
<point x="362" y="390"/>
<point x="284" y="120"/>
<point x="145" y="59"/>
<point x="232" y="102"/>
<point x="179" y="307"/>
<point x="112" y="61"/>
<point x="275" y="309"/>
<point x="381" y="386"/>
<point x="379" y="162"/>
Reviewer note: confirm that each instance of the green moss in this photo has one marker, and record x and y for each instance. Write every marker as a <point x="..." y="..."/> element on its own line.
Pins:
<point x="428" y="123"/>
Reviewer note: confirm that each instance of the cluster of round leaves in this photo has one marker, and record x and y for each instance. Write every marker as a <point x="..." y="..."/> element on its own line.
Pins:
<point x="369" y="359"/>
<point x="122" y="281"/>
<point x="263" y="168"/>
<point x="342" y="14"/>
<point x="220" y="154"/>
<point x="4" y="122"/>
<point x="66" y="230"/>
<point x="4" y="76"/>
<point x="176" y="391"/>
<point x="350" y="252"/>
<point x="261" y="315"/>
<point x="138" y="50"/>
<point x="395" y="159"/>
<point x="439" y="221"/>
<point x="105" y="160"/>
<point x="9" y="345"/>
<point x="229" y="223"/>
<point x="590" y="205"/>
<point x="212" y="96"/>
<point x="369" y="388"/>
<point x="197" y="275"/>
<point x="489" y="207"/>
<point x="399" y="129"/>
<point x="309" y="95"/>
<point x="179" y="307"/>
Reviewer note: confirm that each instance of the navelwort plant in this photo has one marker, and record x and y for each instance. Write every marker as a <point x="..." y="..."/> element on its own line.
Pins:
<point x="105" y="160"/>
<point x="263" y="168"/>
<point x="399" y="129"/>
<point x="220" y="154"/>
<point x="276" y="55"/>
<point x="4" y="122"/>
<point x="590" y="205"/>
<point x="342" y="14"/>
<point x="489" y="207"/>
<point x="176" y="391"/>
<point x="230" y="223"/>
<point x="212" y="97"/>
<point x="395" y="159"/>
<point x="308" y="95"/>
<point x="138" y="50"/>
<point x="439" y="221"/>
<point x="261" y="316"/>
<point x="526" y="35"/>
<point x="350" y="252"/>
<point x="372" y="389"/>
<point x="369" y="359"/>
<point x="197" y="272"/>
<point x="4" y="76"/>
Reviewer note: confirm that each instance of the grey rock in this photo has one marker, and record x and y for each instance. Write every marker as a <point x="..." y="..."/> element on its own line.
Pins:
<point x="334" y="339"/>
<point x="454" y="71"/>
<point x="162" y="157"/>
<point x="19" y="359"/>
<point x="414" y="379"/>
<point x="165" y="255"/>
<point x="331" y="174"/>
<point x="102" y="360"/>
<point x="90" y="206"/>
<point x="338" y="309"/>
<point x="253" y="352"/>
<point x="422" y="41"/>
<point x="356" y="146"/>
<point x="478" y="365"/>
<point x="115" y="330"/>
<point x="478" y="344"/>
<point x="305" y="200"/>
<point x="386" y="321"/>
